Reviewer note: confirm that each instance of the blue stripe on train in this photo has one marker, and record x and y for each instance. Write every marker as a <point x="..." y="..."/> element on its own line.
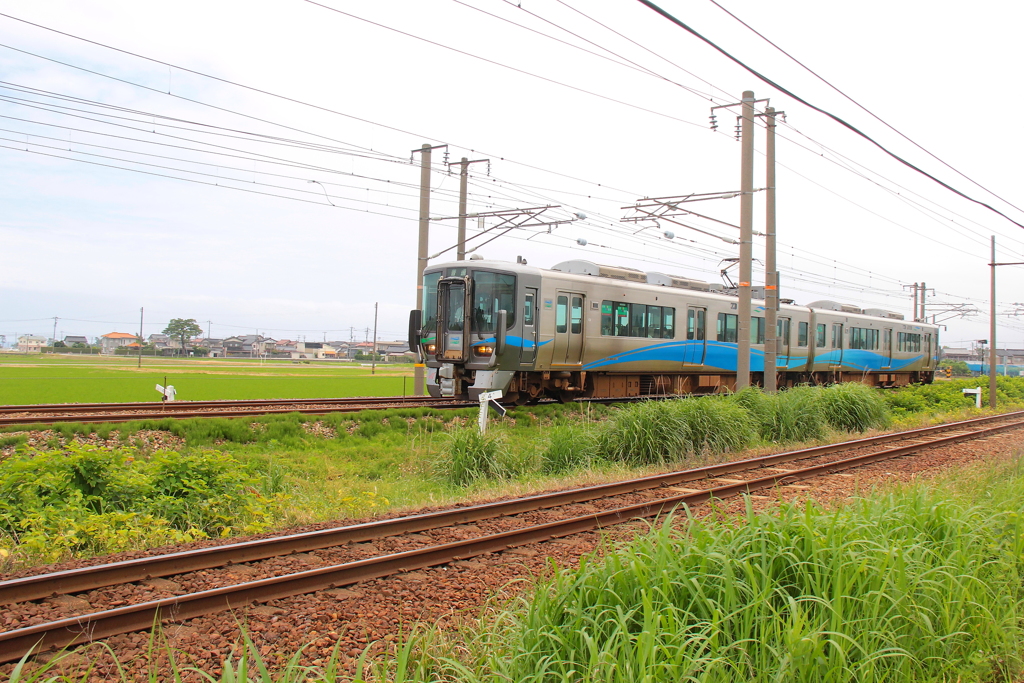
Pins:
<point x="722" y="355"/>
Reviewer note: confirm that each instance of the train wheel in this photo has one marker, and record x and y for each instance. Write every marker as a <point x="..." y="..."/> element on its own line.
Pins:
<point x="566" y="396"/>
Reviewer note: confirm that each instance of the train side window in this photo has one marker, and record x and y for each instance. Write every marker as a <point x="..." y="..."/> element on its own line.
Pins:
<point x="756" y="330"/>
<point x="727" y="325"/>
<point x="701" y="315"/>
<point x="654" y="322"/>
<point x="607" y="320"/>
<point x="561" y="314"/>
<point x="576" y="318"/>
<point x="837" y="336"/>
<point x="528" y="308"/>
<point x="622" y="320"/>
<point x="691" y="324"/>
<point x="819" y="338"/>
<point x="637" y="320"/>
<point x="668" y="323"/>
<point x="801" y="334"/>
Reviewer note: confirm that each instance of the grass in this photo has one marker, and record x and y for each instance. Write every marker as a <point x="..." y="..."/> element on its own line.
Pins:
<point x="920" y="584"/>
<point x="65" y="379"/>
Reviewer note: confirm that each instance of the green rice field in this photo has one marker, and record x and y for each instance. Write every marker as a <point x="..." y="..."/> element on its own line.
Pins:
<point x="77" y="379"/>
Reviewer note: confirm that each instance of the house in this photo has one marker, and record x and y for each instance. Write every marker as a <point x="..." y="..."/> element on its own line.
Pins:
<point x="215" y="347"/>
<point x="72" y="339"/>
<point x="113" y="340"/>
<point x="30" y="343"/>
<point x="955" y="355"/>
<point x="249" y="345"/>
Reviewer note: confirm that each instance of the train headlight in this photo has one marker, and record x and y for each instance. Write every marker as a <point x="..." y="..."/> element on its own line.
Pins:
<point x="431" y="348"/>
<point x="483" y="350"/>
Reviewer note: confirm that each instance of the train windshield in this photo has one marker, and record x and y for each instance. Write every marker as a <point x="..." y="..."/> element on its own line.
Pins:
<point x="430" y="302"/>
<point x="492" y="292"/>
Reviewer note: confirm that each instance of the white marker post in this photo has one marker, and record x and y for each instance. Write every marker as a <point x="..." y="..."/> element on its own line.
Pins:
<point x="977" y="396"/>
<point x="489" y="398"/>
<point x="166" y="393"/>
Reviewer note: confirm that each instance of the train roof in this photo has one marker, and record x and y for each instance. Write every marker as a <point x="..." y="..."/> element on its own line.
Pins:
<point x="587" y="271"/>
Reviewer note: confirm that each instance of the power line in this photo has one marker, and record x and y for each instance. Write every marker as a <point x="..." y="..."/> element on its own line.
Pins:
<point x="835" y="118"/>
<point x="861" y="106"/>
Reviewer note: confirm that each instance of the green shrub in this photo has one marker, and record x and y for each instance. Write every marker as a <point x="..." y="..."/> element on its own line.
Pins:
<point x="468" y="456"/>
<point x="853" y="407"/>
<point x="14" y="440"/>
<point x="651" y="432"/>
<point x="87" y="499"/>
<point x="571" y="447"/>
<point x="714" y="425"/>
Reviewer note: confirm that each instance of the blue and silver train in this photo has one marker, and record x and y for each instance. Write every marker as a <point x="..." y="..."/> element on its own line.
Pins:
<point x="582" y="330"/>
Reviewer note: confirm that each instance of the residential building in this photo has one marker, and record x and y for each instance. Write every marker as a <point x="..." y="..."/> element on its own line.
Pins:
<point x="72" y="339"/>
<point x="113" y="340"/>
<point x="30" y="343"/>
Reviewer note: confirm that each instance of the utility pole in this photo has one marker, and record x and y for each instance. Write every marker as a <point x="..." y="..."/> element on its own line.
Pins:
<point x="771" y="276"/>
<point x="746" y="239"/>
<point x="992" y="333"/>
<point x="419" y="385"/>
<point x="55" y="330"/>
<point x="140" y="335"/>
<point x="916" y="287"/>
<point x="463" y="193"/>
<point x="373" y="358"/>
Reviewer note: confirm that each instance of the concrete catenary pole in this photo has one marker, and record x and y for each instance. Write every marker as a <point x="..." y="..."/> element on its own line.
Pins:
<point x="373" y="358"/>
<point x="141" y="310"/>
<point x="463" y="191"/>
<point x="917" y="288"/>
<point x="746" y="240"/>
<point x="924" y="290"/>
<point x="992" y="332"/>
<point x="419" y="374"/>
<point x="771" y="281"/>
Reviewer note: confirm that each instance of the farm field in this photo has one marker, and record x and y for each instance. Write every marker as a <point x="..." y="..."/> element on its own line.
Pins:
<point x="92" y="379"/>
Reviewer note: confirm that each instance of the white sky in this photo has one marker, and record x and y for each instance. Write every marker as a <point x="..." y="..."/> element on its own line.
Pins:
<point x="92" y="243"/>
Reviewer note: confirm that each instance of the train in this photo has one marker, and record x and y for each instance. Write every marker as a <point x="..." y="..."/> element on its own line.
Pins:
<point x="586" y="330"/>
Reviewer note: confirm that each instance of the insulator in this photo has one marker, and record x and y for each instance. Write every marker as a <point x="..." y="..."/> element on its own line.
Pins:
<point x="669" y="235"/>
<point x="582" y="242"/>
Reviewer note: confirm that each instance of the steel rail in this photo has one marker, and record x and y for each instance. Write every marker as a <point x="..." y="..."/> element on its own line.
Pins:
<point x="159" y="405"/>
<point x="77" y="630"/>
<point x="88" y="578"/>
<point x="118" y="418"/>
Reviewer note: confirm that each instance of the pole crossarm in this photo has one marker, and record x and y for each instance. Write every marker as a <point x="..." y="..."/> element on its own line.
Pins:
<point x="509" y="220"/>
<point x="667" y="209"/>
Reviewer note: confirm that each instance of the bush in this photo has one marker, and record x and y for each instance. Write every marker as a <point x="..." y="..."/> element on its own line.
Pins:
<point x="571" y="447"/>
<point x="853" y="407"/>
<point x="651" y="432"/>
<point x="88" y="499"/>
<point x="468" y="456"/>
<point x="791" y="415"/>
<point x="714" y="425"/>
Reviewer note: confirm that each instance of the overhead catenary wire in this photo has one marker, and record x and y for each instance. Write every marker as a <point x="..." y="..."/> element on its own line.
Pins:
<point x="830" y="115"/>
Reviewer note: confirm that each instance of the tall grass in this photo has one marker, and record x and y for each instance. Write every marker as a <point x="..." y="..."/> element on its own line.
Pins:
<point x="570" y="447"/>
<point x="853" y="407"/>
<point x="787" y="416"/>
<point x="652" y="432"/>
<point x="919" y="585"/>
<point x="468" y="456"/>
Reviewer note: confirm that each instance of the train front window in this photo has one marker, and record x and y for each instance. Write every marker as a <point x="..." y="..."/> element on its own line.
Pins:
<point x="456" y="308"/>
<point x="430" y="301"/>
<point x="492" y="292"/>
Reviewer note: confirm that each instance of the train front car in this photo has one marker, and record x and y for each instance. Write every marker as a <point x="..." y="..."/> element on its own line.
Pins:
<point x="477" y="327"/>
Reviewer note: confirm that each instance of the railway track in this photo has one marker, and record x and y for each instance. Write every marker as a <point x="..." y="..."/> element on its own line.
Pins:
<point x="618" y="502"/>
<point x="13" y="415"/>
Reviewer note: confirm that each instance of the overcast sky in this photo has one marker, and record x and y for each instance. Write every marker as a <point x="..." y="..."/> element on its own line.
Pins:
<point x="197" y="200"/>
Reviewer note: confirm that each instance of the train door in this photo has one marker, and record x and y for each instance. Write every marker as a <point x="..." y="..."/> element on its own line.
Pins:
<point x="887" y="348"/>
<point x="927" y="350"/>
<point x="529" y="350"/>
<point x="835" y="358"/>
<point x="568" y="340"/>
<point x="696" y="324"/>
<point x="782" y="344"/>
<point x="451" y="297"/>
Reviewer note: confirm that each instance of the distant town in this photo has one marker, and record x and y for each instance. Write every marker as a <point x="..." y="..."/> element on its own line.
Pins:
<point x="243" y="346"/>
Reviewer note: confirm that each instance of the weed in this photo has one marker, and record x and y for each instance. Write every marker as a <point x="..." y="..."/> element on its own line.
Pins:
<point x="571" y="447"/>
<point x="467" y="456"/>
<point x="853" y="407"/>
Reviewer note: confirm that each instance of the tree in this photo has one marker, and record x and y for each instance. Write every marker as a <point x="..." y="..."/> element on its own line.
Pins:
<point x="183" y="329"/>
